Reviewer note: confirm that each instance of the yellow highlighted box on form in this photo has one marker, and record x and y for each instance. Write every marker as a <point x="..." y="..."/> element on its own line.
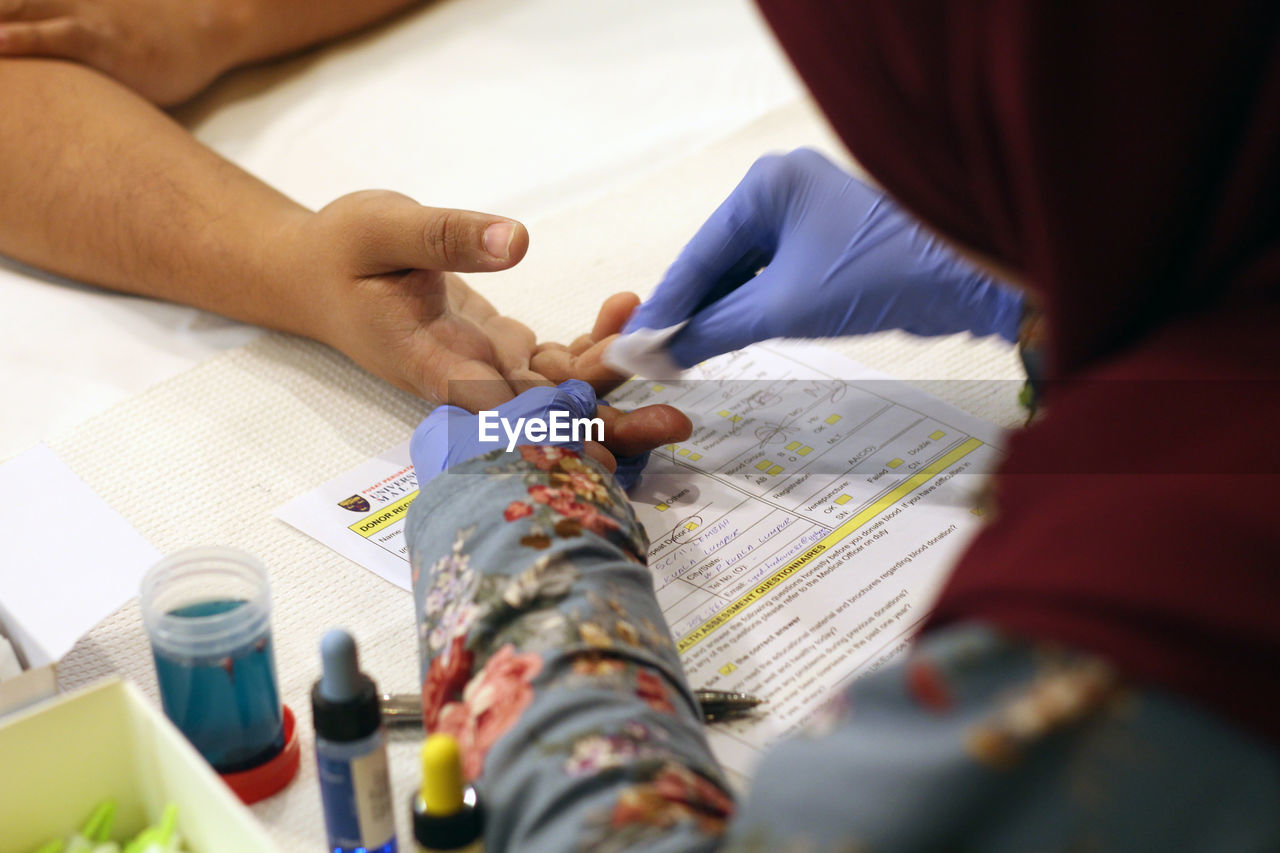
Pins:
<point x="779" y="578"/>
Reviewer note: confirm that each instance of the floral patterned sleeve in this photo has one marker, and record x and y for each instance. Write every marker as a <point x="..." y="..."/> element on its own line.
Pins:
<point x="545" y="654"/>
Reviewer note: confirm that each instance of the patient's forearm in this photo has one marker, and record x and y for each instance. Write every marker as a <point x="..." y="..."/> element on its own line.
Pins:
<point x="98" y="185"/>
<point x="168" y="50"/>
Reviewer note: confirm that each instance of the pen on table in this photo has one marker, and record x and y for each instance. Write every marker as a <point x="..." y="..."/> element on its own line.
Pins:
<point x="717" y="706"/>
<point x="720" y="705"/>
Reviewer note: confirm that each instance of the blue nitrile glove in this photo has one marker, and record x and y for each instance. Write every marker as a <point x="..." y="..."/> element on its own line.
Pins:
<point x="451" y="435"/>
<point x="838" y="258"/>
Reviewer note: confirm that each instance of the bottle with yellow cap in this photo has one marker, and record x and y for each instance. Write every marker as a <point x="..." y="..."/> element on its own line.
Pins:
<point x="447" y="814"/>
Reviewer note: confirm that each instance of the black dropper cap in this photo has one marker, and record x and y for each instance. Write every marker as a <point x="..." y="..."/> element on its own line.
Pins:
<point x="344" y="702"/>
<point x="452" y="832"/>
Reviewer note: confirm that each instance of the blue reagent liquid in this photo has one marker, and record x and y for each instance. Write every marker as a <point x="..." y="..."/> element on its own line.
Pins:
<point x="227" y="705"/>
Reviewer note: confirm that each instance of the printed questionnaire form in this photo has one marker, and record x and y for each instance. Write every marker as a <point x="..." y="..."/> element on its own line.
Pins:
<point x="796" y="539"/>
<point x="800" y="534"/>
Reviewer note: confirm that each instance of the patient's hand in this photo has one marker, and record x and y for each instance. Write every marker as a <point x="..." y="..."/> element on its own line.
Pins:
<point x="375" y="281"/>
<point x="165" y="50"/>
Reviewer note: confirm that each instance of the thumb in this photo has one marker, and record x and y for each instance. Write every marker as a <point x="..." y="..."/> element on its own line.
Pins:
<point x="392" y="232"/>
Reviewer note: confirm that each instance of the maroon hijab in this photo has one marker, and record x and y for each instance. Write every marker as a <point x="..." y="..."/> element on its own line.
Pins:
<point x="1124" y="159"/>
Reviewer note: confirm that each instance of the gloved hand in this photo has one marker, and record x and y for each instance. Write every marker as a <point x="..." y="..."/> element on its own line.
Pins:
<point x="451" y="435"/>
<point x="838" y="258"/>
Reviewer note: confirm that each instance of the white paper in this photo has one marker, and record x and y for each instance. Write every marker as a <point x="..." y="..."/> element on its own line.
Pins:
<point x="361" y="513"/>
<point x="800" y="535"/>
<point x="69" y="559"/>
<point x="798" y="538"/>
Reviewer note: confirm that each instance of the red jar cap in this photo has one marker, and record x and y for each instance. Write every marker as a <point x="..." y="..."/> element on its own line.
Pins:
<point x="272" y="776"/>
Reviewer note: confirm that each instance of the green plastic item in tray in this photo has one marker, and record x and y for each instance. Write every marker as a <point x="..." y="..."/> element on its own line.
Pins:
<point x="95" y="835"/>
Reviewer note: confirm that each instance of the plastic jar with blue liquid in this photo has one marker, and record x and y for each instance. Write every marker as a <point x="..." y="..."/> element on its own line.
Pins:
<point x="208" y="613"/>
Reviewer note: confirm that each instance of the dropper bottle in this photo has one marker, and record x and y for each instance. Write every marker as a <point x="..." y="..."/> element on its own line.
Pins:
<point x="447" y="814"/>
<point x="351" y="752"/>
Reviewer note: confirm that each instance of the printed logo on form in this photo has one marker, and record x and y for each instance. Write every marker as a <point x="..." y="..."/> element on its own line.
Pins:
<point x="355" y="503"/>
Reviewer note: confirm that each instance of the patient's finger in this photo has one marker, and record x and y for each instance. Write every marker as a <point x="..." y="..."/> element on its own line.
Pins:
<point x="470" y="384"/>
<point x="512" y="341"/>
<point x="597" y="451"/>
<point x="60" y="37"/>
<point x="556" y="365"/>
<point x="632" y="433"/>
<point x="614" y="314"/>
<point x="33" y="10"/>
<point x="389" y="232"/>
<point x="559" y="365"/>
<point x="522" y="379"/>
<point x="589" y="366"/>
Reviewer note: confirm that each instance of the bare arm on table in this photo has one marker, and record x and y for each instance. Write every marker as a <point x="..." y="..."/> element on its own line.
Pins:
<point x="168" y="50"/>
<point x="98" y="185"/>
